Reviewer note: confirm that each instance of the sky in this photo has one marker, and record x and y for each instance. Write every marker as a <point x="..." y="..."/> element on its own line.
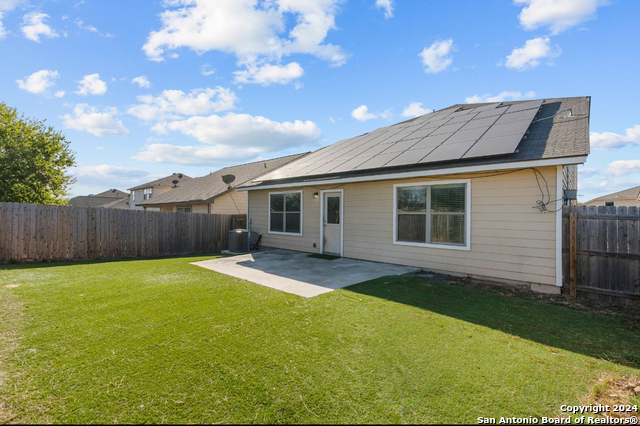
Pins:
<point x="144" y="89"/>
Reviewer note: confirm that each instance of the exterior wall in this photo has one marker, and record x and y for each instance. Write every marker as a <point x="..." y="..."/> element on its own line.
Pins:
<point x="140" y="197"/>
<point x="232" y="203"/>
<point x="510" y="240"/>
<point x="616" y="203"/>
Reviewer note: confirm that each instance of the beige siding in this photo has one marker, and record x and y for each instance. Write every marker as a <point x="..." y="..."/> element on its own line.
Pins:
<point x="616" y="203"/>
<point x="510" y="239"/>
<point x="232" y="203"/>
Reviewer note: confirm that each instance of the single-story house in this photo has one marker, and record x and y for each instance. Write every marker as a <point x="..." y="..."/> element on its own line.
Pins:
<point x="211" y="194"/>
<point x="111" y="199"/>
<point x="472" y="190"/>
<point x="628" y="198"/>
<point x="148" y="190"/>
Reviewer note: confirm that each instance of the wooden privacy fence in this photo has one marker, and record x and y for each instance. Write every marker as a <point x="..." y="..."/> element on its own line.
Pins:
<point x="601" y="253"/>
<point x="30" y="232"/>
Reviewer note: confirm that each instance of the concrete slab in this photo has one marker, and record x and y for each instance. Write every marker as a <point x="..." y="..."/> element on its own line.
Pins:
<point x="297" y="273"/>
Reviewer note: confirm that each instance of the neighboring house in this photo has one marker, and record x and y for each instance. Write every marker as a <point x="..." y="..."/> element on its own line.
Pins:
<point x="210" y="194"/>
<point x="112" y="199"/>
<point x="149" y="190"/>
<point x="473" y="190"/>
<point x="628" y="198"/>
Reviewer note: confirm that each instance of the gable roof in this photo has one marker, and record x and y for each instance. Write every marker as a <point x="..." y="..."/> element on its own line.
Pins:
<point x="627" y="194"/>
<point x="165" y="182"/>
<point x="114" y="193"/>
<point x="95" y="201"/>
<point x="457" y="136"/>
<point x="205" y="189"/>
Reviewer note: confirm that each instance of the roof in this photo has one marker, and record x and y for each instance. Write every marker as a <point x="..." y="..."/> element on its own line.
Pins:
<point x="207" y="188"/>
<point x="95" y="201"/>
<point x="113" y="193"/>
<point x="627" y="194"/>
<point x="165" y="182"/>
<point x="458" y="136"/>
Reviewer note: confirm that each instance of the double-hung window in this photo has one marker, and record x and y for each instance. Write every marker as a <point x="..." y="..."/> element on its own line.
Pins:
<point x="148" y="193"/>
<point x="285" y="213"/>
<point x="434" y="214"/>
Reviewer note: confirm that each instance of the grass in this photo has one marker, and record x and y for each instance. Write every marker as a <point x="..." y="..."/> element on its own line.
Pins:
<point x="163" y="341"/>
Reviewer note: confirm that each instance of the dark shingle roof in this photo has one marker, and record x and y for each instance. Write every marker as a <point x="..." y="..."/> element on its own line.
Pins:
<point x="207" y="188"/>
<point x="165" y="182"/>
<point x="555" y="137"/>
<point x="627" y="194"/>
<point x="95" y="201"/>
<point x="113" y="193"/>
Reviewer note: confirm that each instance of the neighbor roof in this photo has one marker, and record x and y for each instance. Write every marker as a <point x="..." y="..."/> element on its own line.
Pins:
<point x="627" y="194"/>
<point x="95" y="201"/>
<point x="457" y="136"/>
<point x="113" y="193"/>
<point x="165" y="182"/>
<point x="207" y="188"/>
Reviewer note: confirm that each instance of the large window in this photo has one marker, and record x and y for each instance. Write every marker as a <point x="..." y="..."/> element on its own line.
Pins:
<point x="285" y="213"/>
<point x="432" y="214"/>
<point x="147" y="193"/>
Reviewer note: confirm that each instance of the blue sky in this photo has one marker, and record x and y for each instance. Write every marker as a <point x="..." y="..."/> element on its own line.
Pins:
<point x="147" y="88"/>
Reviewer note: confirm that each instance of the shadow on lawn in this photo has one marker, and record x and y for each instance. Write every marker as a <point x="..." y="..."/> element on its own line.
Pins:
<point x="50" y="264"/>
<point x="581" y="332"/>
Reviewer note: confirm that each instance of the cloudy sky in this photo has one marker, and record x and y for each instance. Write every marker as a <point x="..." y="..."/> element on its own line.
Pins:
<point x="147" y="88"/>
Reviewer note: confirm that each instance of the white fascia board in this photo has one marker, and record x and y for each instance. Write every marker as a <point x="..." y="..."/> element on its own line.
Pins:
<point x="422" y="173"/>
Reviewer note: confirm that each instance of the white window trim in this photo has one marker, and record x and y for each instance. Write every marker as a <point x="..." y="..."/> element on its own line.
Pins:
<point x="341" y="191"/>
<point x="559" y="193"/>
<point x="467" y="216"/>
<point x="301" y="213"/>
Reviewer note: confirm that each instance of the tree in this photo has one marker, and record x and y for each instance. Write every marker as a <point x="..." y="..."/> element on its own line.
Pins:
<point x="34" y="159"/>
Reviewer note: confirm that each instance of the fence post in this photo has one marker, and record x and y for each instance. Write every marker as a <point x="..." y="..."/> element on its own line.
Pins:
<point x="573" y="254"/>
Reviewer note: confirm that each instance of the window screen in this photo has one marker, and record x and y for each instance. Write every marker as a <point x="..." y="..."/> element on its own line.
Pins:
<point x="434" y="214"/>
<point x="285" y="212"/>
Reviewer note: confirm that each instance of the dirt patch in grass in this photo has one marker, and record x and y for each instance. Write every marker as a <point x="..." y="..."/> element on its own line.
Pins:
<point x="616" y="391"/>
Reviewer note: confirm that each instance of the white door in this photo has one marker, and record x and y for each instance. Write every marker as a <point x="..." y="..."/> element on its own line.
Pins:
<point x="332" y="223"/>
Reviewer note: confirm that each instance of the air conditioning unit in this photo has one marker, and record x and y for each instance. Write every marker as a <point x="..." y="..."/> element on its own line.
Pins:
<point x="239" y="241"/>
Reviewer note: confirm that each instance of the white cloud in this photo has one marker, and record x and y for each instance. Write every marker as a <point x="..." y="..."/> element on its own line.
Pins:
<point x="623" y="167"/>
<point x="60" y="94"/>
<point x="7" y="6"/>
<point x="105" y="173"/>
<point x="92" y="85"/>
<point x="267" y="74"/>
<point x="436" y="58"/>
<point x="39" y="82"/>
<point x="203" y="155"/>
<point x="557" y="15"/>
<point x="501" y="97"/>
<point x="530" y="55"/>
<point x="33" y="27"/>
<point x="91" y="120"/>
<point x="3" y="31"/>
<point x="415" y="110"/>
<point x="81" y="25"/>
<point x="387" y="5"/>
<point x="609" y="140"/>
<point x="254" y="31"/>
<point x="362" y="114"/>
<point x="587" y="172"/>
<point x="142" y="81"/>
<point x="206" y="70"/>
<point x="174" y="104"/>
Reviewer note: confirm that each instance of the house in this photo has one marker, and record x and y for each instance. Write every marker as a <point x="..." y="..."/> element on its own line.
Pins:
<point x="148" y="190"/>
<point x="471" y="190"/>
<point x="210" y="194"/>
<point x="112" y="199"/>
<point x="628" y="198"/>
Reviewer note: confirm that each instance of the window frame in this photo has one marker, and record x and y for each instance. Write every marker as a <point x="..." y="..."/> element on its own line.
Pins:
<point x="293" y="234"/>
<point x="606" y="204"/>
<point x="183" y="208"/>
<point x="147" y="194"/>
<point x="467" y="215"/>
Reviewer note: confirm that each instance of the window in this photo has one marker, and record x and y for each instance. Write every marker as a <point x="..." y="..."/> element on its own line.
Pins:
<point x="183" y="209"/>
<point x="609" y="203"/>
<point x="333" y="210"/>
<point x="147" y="193"/>
<point x="434" y="214"/>
<point x="285" y="213"/>
<point x="133" y="196"/>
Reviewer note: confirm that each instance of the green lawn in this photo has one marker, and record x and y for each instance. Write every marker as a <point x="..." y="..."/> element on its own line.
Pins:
<point x="166" y="341"/>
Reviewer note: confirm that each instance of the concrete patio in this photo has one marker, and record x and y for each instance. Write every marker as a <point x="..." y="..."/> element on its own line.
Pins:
<point x="297" y="273"/>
